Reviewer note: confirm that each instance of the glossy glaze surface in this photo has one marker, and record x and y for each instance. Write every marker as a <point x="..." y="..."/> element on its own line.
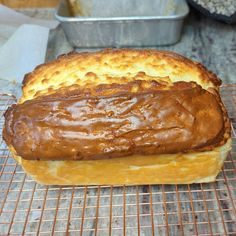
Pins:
<point x="152" y="121"/>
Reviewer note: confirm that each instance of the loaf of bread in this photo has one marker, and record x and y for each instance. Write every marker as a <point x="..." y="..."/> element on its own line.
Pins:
<point x="119" y="117"/>
<point x="75" y="8"/>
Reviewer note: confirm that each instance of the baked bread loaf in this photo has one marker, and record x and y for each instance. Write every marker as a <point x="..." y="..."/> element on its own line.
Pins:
<point x="119" y="117"/>
<point x="75" y="8"/>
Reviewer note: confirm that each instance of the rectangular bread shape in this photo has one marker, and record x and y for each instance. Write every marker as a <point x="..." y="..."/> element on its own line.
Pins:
<point x="113" y="122"/>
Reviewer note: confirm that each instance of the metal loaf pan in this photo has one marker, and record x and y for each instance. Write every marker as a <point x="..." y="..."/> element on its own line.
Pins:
<point x="112" y="23"/>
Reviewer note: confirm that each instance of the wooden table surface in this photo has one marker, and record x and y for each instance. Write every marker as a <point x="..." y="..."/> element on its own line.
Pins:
<point x="29" y="3"/>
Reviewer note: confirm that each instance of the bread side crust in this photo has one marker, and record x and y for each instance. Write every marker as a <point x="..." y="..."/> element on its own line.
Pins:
<point x="199" y="167"/>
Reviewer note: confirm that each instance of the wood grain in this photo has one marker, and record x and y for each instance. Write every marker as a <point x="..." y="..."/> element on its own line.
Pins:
<point x="29" y="3"/>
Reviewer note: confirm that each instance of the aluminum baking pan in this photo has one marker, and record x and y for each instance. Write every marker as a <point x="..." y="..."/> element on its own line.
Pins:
<point x="112" y="23"/>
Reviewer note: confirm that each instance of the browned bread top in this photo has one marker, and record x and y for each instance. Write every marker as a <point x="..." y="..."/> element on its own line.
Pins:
<point x="116" y="103"/>
<point x="120" y="66"/>
<point x="182" y="118"/>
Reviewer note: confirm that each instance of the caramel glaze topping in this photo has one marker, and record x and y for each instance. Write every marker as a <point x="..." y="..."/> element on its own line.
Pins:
<point x="138" y="118"/>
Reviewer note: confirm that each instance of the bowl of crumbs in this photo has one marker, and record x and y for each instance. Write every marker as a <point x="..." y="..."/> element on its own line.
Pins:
<point x="224" y="11"/>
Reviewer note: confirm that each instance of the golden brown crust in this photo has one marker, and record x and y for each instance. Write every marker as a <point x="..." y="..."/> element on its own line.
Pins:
<point x="75" y="8"/>
<point x="115" y="120"/>
<point x="114" y="66"/>
<point x="52" y="93"/>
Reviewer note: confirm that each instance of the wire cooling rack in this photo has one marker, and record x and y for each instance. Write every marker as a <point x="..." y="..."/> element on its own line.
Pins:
<point x="27" y="208"/>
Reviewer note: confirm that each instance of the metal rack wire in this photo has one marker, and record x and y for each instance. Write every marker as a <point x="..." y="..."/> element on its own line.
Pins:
<point x="27" y="208"/>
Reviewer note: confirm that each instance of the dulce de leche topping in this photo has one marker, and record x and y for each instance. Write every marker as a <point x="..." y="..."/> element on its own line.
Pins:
<point x="178" y="119"/>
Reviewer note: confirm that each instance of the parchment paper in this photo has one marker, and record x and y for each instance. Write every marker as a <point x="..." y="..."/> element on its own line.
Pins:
<point x="23" y="45"/>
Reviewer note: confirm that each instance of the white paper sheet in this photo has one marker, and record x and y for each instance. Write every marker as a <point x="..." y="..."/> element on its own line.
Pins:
<point x="11" y="17"/>
<point x="23" y="51"/>
<point x="23" y="46"/>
